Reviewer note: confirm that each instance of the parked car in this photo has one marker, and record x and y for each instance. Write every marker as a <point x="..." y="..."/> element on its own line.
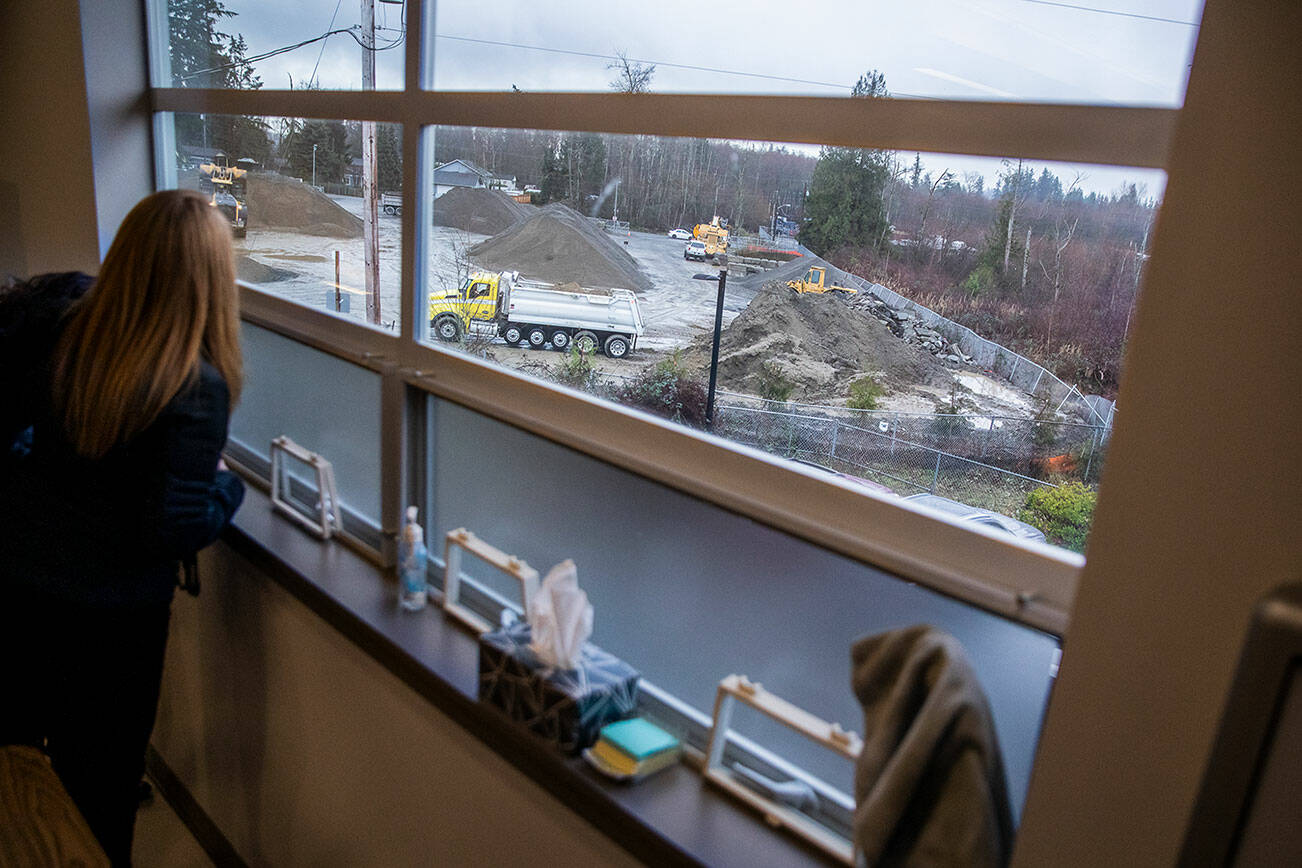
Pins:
<point x="985" y="517"/>
<point x="857" y="480"/>
<point x="680" y="234"/>
<point x="695" y="250"/>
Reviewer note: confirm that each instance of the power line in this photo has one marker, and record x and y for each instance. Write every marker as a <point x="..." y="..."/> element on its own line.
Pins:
<point x="321" y="53"/>
<point x="1113" y="12"/>
<point x="841" y="87"/>
<point x="351" y="31"/>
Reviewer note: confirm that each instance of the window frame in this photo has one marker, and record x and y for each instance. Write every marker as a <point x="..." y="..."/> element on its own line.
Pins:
<point x="1033" y="584"/>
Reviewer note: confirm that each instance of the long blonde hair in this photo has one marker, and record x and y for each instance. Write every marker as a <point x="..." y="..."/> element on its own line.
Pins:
<point x="165" y="296"/>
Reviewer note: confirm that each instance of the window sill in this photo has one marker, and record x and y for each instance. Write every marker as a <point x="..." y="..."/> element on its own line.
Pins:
<point x="672" y="818"/>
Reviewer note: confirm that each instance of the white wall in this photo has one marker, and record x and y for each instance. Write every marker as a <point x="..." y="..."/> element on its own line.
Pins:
<point x="47" y="205"/>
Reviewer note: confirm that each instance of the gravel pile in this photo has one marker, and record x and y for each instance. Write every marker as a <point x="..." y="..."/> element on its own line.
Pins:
<point x="820" y="344"/>
<point x="278" y="202"/>
<point x="479" y="210"/>
<point x="559" y="245"/>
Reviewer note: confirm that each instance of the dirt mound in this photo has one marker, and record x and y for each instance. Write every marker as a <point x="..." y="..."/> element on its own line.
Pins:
<point x="820" y="344"/>
<point x="252" y="271"/>
<point x="475" y="209"/>
<point x="278" y="202"/>
<point x="559" y="245"/>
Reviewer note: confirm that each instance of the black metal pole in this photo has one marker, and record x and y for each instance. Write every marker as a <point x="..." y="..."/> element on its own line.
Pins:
<point x="714" y="353"/>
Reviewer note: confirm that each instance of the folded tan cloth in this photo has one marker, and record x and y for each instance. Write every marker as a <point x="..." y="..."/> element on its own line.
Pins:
<point x="929" y="785"/>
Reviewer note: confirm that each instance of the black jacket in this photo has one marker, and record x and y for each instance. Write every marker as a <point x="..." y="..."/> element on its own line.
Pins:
<point x="109" y="531"/>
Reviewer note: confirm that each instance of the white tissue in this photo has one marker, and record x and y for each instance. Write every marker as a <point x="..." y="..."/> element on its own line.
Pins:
<point x="560" y="618"/>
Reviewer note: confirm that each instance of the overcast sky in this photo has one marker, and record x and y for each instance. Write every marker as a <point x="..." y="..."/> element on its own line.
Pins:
<point x="956" y="49"/>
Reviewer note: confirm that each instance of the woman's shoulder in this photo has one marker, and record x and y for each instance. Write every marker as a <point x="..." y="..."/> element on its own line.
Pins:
<point x="31" y="308"/>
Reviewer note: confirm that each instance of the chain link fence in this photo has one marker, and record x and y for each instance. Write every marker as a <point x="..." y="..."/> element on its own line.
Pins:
<point x="984" y="461"/>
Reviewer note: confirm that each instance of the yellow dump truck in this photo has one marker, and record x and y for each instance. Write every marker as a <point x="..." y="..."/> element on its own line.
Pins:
<point x="715" y="236"/>
<point x="499" y="303"/>
<point x="815" y="280"/>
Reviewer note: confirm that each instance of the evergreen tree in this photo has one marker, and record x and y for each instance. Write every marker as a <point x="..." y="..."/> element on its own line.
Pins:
<point x="846" y="202"/>
<point x="203" y="56"/>
<point x="388" y="147"/>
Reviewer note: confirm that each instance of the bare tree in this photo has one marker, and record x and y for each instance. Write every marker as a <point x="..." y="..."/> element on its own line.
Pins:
<point x="630" y="76"/>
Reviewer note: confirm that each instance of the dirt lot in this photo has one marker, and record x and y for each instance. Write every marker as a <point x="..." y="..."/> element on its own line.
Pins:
<point x="821" y="347"/>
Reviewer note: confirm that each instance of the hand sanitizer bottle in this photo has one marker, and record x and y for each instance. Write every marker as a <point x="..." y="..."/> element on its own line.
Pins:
<point x="412" y="558"/>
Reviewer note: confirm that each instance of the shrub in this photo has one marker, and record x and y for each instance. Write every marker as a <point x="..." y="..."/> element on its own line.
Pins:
<point x="576" y="371"/>
<point x="668" y="390"/>
<point x="773" y="384"/>
<point x="865" y="393"/>
<point x="1064" y="513"/>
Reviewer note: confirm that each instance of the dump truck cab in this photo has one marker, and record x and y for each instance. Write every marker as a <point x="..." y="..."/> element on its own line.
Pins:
<point x="815" y="280"/>
<point x="475" y="300"/>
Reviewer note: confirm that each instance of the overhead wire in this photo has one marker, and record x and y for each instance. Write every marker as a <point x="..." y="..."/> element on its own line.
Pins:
<point x="1118" y="13"/>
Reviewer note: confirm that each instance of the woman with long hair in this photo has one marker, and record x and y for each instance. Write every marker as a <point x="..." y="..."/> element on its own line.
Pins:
<point x="115" y="396"/>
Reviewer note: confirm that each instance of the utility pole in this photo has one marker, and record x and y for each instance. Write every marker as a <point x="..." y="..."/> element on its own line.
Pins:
<point x="314" y="165"/>
<point x="370" y="196"/>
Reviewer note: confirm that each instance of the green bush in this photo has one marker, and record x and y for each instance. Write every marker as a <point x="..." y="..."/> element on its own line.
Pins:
<point x="668" y="390"/>
<point x="1064" y="513"/>
<point x="575" y="370"/>
<point x="773" y="384"/>
<point x="865" y="394"/>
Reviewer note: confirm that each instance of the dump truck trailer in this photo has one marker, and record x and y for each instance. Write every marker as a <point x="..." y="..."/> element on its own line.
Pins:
<point x="537" y="314"/>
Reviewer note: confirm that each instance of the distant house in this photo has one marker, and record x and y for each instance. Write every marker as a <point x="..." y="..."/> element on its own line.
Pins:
<point x="353" y="173"/>
<point x="463" y="173"/>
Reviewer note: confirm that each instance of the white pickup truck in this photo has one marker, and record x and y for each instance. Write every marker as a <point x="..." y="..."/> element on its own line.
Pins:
<point x="391" y="204"/>
<point x="538" y="314"/>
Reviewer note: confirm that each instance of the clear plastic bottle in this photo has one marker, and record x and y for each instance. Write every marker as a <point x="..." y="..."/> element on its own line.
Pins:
<point x="412" y="559"/>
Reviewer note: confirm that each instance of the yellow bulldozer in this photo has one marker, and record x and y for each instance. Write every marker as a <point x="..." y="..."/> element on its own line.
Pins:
<point x="815" y="280"/>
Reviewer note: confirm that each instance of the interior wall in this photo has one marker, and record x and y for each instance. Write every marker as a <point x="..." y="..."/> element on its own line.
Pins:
<point x="1199" y="511"/>
<point x="304" y="751"/>
<point x="47" y="200"/>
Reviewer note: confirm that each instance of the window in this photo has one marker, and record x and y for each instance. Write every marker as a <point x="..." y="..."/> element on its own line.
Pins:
<point x="531" y="458"/>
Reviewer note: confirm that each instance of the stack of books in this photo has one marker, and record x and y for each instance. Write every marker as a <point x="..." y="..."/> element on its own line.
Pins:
<point x="629" y="750"/>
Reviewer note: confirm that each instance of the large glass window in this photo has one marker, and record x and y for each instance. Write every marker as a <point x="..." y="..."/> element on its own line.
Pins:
<point x="293" y="189"/>
<point x="288" y="45"/>
<point x="940" y="328"/>
<point x="1026" y="50"/>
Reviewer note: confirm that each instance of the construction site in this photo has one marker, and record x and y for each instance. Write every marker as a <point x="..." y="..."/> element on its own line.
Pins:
<point x="796" y="357"/>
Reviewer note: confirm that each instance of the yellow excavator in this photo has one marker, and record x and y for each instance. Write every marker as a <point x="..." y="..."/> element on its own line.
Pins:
<point x="815" y="280"/>
<point x="715" y="236"/>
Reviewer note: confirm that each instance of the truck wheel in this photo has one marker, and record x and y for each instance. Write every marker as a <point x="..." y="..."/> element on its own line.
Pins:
<point x="617" y="346"/>
<point x="537" y="337"/>
<point x="512" y="334"/>
<point x="447" y="328"/>
<point x="586" y="342"/>
<point x="560" y="339"/>
<point x="388" y="209"/>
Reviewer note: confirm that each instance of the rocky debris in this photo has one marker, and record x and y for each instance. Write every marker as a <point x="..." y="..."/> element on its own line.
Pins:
<point x="910" y="328"/>
<point x="479" y="210"/>
<point x="817" y="343"/>
<point x="559" y="245"/>
<point x="279" y="202"/>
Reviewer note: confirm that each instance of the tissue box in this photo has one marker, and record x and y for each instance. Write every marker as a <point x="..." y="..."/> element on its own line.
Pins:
<point x="564" y="706"/>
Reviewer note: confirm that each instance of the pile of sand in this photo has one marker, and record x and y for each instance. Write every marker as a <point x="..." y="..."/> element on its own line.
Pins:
<point x="250" y="270"/>
<point x="820" y="344"/>
<point x="278" y="202"/>
<point x="476" y="209"/>
<point x="559" y="245"/>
